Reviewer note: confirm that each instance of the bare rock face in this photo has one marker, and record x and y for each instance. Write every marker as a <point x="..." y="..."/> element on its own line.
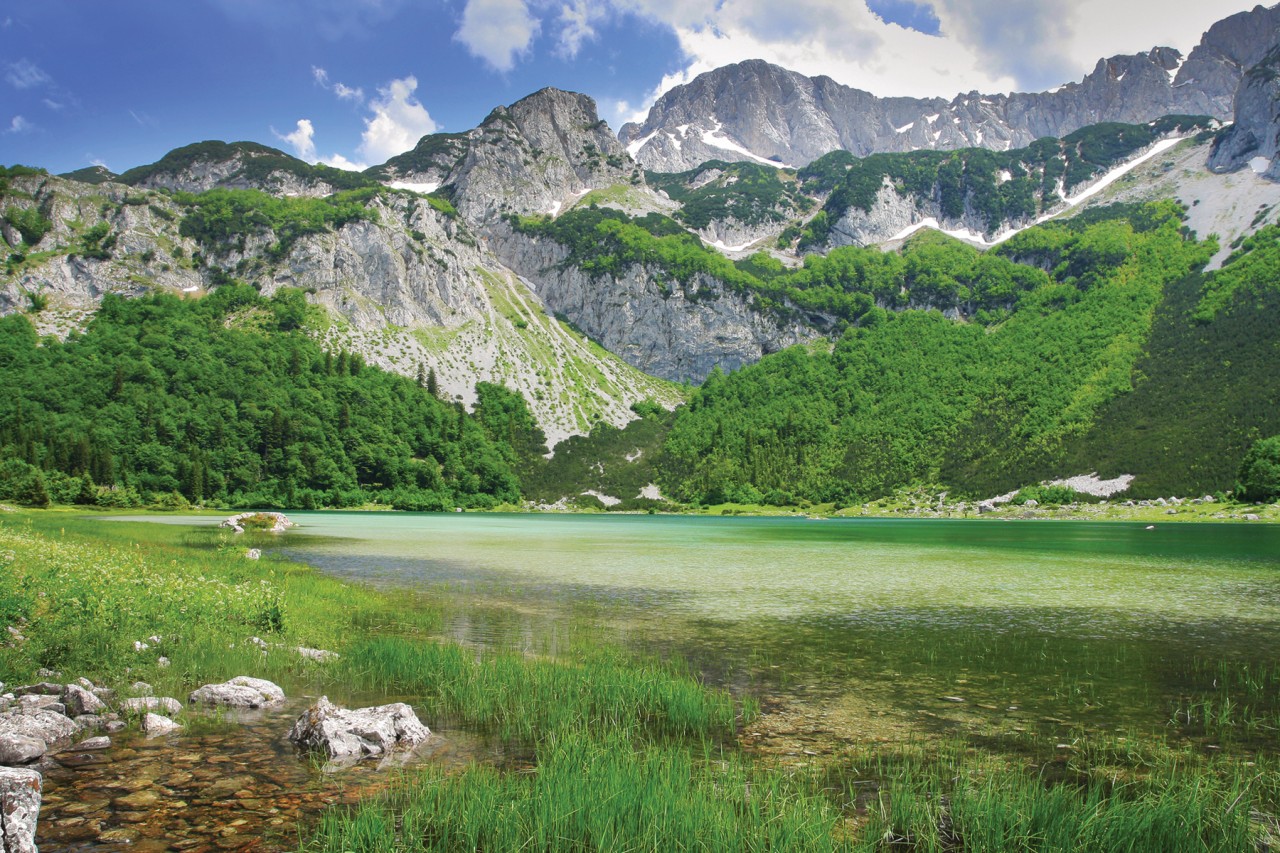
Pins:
<point x="779" y="116"/>
<point x="236" y="165"/>
<point x="20" y="795"/>
<point x="342" y="733"/>
<point x="240" y="692"/>
<point x="676" y="331"/>
<point x="1254" y="139"/>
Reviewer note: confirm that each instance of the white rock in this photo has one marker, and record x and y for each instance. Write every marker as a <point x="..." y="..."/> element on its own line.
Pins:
<point x="341" y="732"/>
<point x="154" y="725"/>
<point x="240" y="692"/>
<point x="320" y="655"/>
<point x="20" y="795"/>
<point x="48" y="726"/>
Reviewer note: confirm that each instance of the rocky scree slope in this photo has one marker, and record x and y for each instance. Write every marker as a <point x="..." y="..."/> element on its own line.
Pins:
<point x="780" y="116"/>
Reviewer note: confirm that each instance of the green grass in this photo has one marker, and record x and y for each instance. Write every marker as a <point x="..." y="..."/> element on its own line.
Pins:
<point x="592" y="793"/>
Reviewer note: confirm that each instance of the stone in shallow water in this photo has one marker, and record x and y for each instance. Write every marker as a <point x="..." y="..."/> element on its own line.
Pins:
<point x="92" y="743"/>
<point x="240" y="692"/>
<point x="341" y="732"/>
<point x="154" y="725"/>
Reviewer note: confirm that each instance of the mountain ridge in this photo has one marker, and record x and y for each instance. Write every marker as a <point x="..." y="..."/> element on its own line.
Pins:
<point x="780" y="116"/>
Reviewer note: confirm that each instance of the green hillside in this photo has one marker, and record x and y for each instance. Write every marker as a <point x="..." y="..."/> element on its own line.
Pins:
<point x="227" y="400"/>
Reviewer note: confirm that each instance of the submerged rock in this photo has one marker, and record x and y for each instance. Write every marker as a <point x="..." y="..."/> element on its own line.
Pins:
<point x="20" y="795"/>
<point x="342" y="732"/>
<point x="240" y="692"/>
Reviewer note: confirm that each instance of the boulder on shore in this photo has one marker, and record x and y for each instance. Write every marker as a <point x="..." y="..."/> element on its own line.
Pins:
<point x="41" y="723"/>
<point x="358" y="732"/>
<point x="240" y="692"/>
<point x="20" y="795"/>
<point x="20" y="749"/>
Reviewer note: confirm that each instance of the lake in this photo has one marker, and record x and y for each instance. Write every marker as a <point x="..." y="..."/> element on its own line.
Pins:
<point x="1027" y="630"/>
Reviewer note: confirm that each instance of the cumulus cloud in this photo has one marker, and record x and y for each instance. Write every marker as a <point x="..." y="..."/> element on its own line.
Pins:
<point x="302" y="139"/>
<point x="497" y="31"/>
<point x="18" y="124"/>
<point x="337" y="161"/>
<point x="25" y="74"/>
<point x="399" y="120"/>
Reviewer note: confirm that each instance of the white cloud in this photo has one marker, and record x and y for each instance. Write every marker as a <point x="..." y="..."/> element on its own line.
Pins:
<point x="99" y="162"/>
<point x="397" y="123"/>
<point x="497" y="31"/>
<point x="302" y="139"/>
<point x="346" y="93"/>
<point x="578" y="20"/>
<point x="25" y="74"/>
<point x="18" y="124"/>
<point x="337" y="161"/>
<point x="343" y="91"/>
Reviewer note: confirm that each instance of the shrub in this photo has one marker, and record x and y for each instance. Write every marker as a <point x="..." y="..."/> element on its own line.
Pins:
<point x="1260" y="471"/>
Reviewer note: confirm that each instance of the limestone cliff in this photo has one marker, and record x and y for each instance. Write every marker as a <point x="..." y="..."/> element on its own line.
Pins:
<point x="678" y="332"/>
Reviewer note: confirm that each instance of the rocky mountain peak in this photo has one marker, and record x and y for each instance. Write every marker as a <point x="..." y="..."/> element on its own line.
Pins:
<point x="756" y="111"/>
<point x="534" y="156"/>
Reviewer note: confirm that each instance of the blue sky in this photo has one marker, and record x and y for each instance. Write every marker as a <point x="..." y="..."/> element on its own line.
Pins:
<point x="352" y="82"/>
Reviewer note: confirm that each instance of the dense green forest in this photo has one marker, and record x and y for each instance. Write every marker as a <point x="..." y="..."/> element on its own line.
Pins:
<point x="227" y="400"/>
<point x="913" y="397"/>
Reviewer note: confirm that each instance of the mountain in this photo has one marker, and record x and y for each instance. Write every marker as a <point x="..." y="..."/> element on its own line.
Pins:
<point x="537" y="155"/>
<point x="757" y="111"/>
<point x="405" y="281"/>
